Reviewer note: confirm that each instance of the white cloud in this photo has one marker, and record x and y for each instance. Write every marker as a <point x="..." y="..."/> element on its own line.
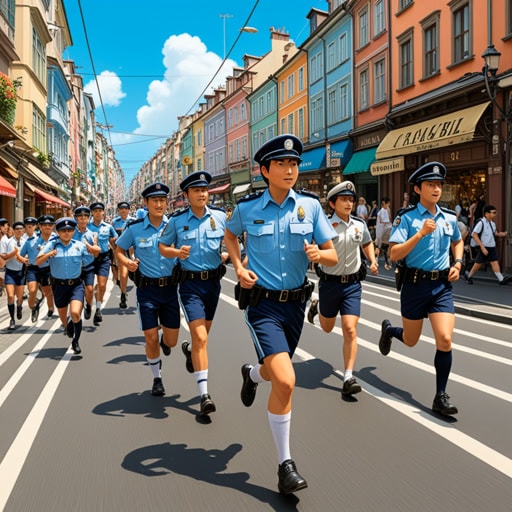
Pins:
<point x="189" y="66"/>
<point x="111" y="89"/>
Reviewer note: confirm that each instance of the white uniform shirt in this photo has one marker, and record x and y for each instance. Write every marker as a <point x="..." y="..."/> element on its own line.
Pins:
<point x="485" y="229"/>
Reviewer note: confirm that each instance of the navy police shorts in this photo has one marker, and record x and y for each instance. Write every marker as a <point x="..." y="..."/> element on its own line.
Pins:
<point x="335" y="298"/>
<point x="492" y="255"/>
<point x="199" y="299"/>
<point x="275" y="326"/>
<point x="88" y="275"/>
<point x="63" y="294"/>
<point x="15" y="277"/>
<point x="158" y="306"/>
<point x="419" y="300"/>
<point x="32" y="273"/>
<point x="102" y="266"/>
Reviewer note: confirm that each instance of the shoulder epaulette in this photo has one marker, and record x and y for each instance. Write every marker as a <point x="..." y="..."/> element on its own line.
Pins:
<point x="180" y="211"/>
<point x="355" y="217"/>
<point x="447" y="210"/>
<point x="400" y="212"/>
<point x="218" y="208"/>
<point x="250" y="197"/>
<point x="308" y="193"/>
<point x="132" y="222"/>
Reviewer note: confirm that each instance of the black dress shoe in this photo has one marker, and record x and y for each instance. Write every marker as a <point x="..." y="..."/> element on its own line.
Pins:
<point x="122" y="303"/>
<point x="350" y="387"/>
<point x="289" y="479"/>
<point x="442" y="405"/>
<point x="188" y="356"/>
<point x="165" y="348"/>
<point x="248" y="393"/>
<point x="50" y="313"/>
<point x="19" y="312"/>
<point x="12" y="325"/>
<point x="207" y="405"/>
<point x="385" y="338"/>
<point x="76" y="347"/>
<point x="313" y="311"/>
<point x="35" y="313"/>
<point x="70" y="328"/>
<point x="87" y="311"/>
<point x="97" y="318"/>
<point x="158" y="387"/>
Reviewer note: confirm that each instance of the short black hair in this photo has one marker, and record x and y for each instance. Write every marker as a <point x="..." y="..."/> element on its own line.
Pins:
<point x="489" y="208"/>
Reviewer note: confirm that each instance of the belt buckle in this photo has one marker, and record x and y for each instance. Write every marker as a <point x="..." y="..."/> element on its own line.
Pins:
<point x="71" y="282"/>
<point x="344" y="278"/>
<point x="162" y="281"/>
<point x="434" y="275"/>
<point x="204" y="275"/>
<point x="283" y="296"/>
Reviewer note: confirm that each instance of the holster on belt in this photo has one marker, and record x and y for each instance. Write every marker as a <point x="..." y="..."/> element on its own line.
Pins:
<point x="400" y="273"/>
<point x="248" y="296"/>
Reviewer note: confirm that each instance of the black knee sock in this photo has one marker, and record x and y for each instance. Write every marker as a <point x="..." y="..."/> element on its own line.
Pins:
<point x="443" y="365"/>
<point x="10" y="307"/>
<point x="396" y="332"/>
<point x="78" y="330"/>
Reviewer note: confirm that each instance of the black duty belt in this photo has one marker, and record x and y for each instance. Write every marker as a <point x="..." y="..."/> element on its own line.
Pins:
<point x="67" y="282"/>
<point x="296" y="295"/>
<point x="413" y="275"/>
<point x="160" y="282"/>
<point x="204" y="275"/>
<point x="345" y="279"/>
<point x="103" y="256"/>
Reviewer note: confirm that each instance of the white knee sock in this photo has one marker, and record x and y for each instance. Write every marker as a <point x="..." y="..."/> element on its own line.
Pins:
<point x="280" y="427"/>
<point x="202" y="381"/>
<point x="155" y="365"/>
<point x="255" y="374"/>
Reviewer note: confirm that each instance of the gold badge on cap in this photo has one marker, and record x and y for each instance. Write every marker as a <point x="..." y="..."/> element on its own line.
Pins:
<point x="212" y="223"/>
<point x="301" y="214"/>
<point x="436" y="170"/>
<point x="288" y="144"/>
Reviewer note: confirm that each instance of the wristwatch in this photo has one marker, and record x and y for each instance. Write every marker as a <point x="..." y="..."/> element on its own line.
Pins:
<point x="459" y="260"/>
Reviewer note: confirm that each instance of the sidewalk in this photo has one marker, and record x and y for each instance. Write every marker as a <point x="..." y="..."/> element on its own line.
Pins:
<point x="485" y="299"/>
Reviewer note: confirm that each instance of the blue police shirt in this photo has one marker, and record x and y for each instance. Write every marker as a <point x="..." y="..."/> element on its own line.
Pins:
<point x="32" y="247"/>
<point x="105" y="233"/>
<point x="204" y="235"/>
<point x="89" y="237"/>
<point x="69" y="260"/>
<point x="144" y="238"/>
<point x="432" y="252"/>
<point x="119" y="224"/>
<point x="276" y="233"/>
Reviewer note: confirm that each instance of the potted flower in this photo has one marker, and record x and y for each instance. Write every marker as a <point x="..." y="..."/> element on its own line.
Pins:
<point x="8" y="98"/>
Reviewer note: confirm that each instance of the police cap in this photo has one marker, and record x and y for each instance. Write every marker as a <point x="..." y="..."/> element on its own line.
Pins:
<point x="46" y="219"/>
<point x="196" y="179"/>
<point x="18" y="224"/>
<point x="280" y="147"/>
<point x="345" y="188"/>
<point x="30" y="220"/>
<point x="82" y="210"/>
<point x="65" y="223"/>
<point x="123" y="204"/>
<point x="155" y="190"/>
<point x="97" y="206"/>
<point x="428" y="172"/>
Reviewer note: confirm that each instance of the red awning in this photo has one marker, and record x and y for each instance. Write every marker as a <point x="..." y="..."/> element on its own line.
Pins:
<point x="6" y="189"/>
<point x="220" y="189"/>
<point x="45" y="197"/>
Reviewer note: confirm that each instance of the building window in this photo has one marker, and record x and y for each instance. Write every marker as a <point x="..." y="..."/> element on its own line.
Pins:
<point x="270" y="101"/>
<point x="281" y="99"/>
<point x="380" y="18"/>
<point x="271" y="131"/>
<point x="461" y="30"/>
<point x="290" y="124"/>
<point x="332" y="114"/>
<point x="363" y="90"/>
<point x="237" y="145"/>
<point x="344" y="102"/>
<point x="317" y="114"/>
<point x="405" y="62"/>
<point x="364" y="37"/>
<point x="301" y="123"/>
<point x="301" y="79"/>
<point x="405" y="3"/>
<point x="230" y="118"/>
<point x="343" y="47"/>
<point x="331" y="56"/>
<point x="38" y="57"/>
<point x="230" y="153"/>
<point x="316" y="68"/>
<point x="199" y="138"/>
<point x="244" y="147"/>
<point x="431" y="45"/>
<point x="291" y="86"/>
<point x="38" y="129"/>
<point x="380" y="81"/>
<point x="283" y="125"/>
<point x="243" y="112"/>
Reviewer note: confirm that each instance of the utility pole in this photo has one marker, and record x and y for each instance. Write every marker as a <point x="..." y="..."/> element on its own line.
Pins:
<point x="224" y="17"/>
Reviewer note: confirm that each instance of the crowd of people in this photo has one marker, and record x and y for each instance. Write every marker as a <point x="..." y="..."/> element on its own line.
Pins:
<point x="176" y="262"/>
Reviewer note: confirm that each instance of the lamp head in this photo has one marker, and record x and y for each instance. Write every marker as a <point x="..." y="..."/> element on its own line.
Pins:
<point x="491" y="57"/>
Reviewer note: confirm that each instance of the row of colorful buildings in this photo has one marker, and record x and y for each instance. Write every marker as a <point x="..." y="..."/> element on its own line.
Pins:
<point x="52" y="156"/>
<point x="378" y="88"/>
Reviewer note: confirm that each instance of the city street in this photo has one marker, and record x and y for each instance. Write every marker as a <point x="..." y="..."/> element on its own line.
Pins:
<point x="83" y="433"/>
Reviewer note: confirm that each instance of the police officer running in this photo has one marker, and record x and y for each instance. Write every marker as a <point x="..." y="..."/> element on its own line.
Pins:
<point x="422" y="236"/>
<point x="120" y="273"/>
<point x="194" y="235"/>
<point x="67" y="258"/>
<point x="281" y="225"/>
<point x="106" y="235"/>
<point x="340" y="287"/>
<point x="157" y="296"/>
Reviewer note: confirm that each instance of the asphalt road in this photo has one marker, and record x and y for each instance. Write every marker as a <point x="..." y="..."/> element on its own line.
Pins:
<point x="83" y="433"/>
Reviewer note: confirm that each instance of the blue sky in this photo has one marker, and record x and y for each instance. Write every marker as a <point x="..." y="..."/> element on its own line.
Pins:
<point x="152" y="64"/>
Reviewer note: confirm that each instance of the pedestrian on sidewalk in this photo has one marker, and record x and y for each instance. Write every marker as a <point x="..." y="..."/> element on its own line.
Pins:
<point x="157" y="294"/>
<point x="14" y="272"/>
<point x="67" y="258"/>
<point x="339" y="286"/>
<point x="484" y="234"/>
<point x="194" y="235"/>
<point x="383" y="231"/>
<point x="280" y="225"/>
<point x="422" y="237"/>
<point x="4" y="228"/>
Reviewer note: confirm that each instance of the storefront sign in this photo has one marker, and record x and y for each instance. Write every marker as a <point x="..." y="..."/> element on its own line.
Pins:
<point x="387" y="166"/>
